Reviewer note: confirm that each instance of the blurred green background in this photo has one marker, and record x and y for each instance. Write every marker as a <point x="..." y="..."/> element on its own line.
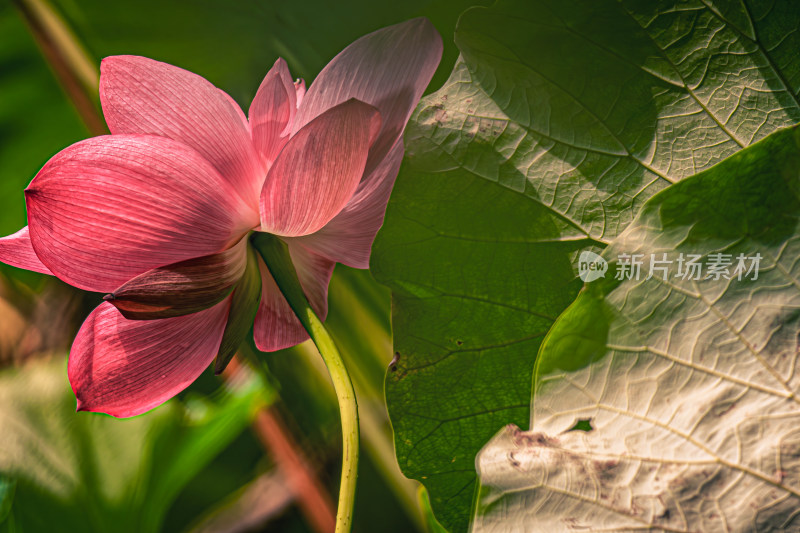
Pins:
<point x="197" y="463"/>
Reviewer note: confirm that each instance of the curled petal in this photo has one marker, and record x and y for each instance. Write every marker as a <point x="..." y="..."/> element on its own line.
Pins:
<point x="16" y="250"/>
<point x="107" y="209"/>
<point x="318" y="170"/>
<point x="348" y="237"/>
<point x="181" y="288"/>
<point x="126" y="367"/>
<point x="272" y="110"/>
<point x="300" y="90"/>
<point x="276" y="326"/>
<point x="388" y="69"/>
<point x="143" y="96"/>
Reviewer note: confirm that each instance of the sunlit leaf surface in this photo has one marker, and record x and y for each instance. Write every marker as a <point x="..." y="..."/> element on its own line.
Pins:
<point x="689" y="387"/>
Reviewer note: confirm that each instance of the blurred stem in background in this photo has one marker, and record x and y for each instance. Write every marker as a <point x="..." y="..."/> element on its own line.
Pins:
<point x="74" y="69"/>
<point x="358" y="321"/>
<point x="298" y="474"/>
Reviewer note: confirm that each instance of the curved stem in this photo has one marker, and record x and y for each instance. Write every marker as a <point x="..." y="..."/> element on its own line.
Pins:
<point x="348" y="411"/>
<point x="276" y="256"/>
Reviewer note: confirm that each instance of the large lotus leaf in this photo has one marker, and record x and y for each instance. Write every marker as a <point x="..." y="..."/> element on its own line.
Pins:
<point x="686" y="384"/>
<point x="559" y="122"/>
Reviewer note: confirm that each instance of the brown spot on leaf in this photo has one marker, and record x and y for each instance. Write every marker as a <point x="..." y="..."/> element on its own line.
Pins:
<point x="394" y="361"/>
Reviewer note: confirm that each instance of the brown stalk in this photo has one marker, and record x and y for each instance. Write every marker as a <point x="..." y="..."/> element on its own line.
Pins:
<point x="311" y="496"/>
<point x="69" y="62"/>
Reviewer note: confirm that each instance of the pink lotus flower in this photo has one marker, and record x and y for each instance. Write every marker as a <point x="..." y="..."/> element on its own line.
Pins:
<point x="158" y="212"/>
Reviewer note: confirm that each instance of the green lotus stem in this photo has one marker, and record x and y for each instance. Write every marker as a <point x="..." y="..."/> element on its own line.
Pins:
<point x="276" y="256"/>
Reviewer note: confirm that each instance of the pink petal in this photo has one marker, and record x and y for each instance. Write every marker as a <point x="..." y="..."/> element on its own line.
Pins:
<point x="236" y="108"/>
<point x="276" y="325"/>
<point x="318" y="170"/>
<point x="107" y="209"/>
<point x="388" y="69"/>
<point x="126" y="367"/>
<point x="272" y="110"/>
<point x="16" y="250"/>
<point x="140" y="95"/>
<point x="181" y="288"/>
<point x="348" y="237"/>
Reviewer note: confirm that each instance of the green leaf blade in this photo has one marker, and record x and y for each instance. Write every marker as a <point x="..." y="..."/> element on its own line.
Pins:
<point x="97" y="473"/>
<point x="434" y="418"/>
<point x="583" y="110"/>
